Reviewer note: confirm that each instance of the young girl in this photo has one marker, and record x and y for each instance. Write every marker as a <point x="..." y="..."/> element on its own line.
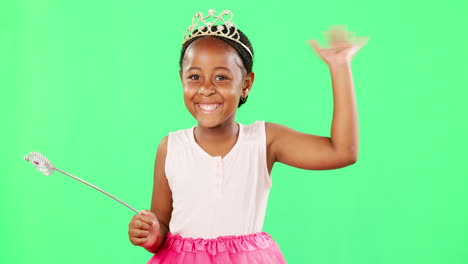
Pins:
<point x="211" y="181"/>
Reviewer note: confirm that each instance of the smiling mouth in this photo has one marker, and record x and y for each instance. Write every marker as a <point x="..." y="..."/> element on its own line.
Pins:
<point x="208" y="108"/>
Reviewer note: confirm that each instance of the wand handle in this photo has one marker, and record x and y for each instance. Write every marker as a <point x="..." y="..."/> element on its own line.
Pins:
<point x="99" y="189"/>
<point x="43" y="165"/>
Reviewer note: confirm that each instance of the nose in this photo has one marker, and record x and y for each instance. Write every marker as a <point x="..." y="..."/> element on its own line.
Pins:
<point x="207" y="89"/>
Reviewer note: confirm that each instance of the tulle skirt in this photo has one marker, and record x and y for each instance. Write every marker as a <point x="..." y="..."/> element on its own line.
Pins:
<point x="256" y="248"/>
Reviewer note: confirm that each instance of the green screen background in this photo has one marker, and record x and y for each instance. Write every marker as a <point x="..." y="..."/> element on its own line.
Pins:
<point x="93" y="85"/>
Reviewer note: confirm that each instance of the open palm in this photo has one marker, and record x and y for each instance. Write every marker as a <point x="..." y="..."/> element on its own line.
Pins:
<point x="342" y="45"/>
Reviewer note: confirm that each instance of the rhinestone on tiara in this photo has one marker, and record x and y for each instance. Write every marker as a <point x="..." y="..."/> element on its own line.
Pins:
<point x="201" y="27"/>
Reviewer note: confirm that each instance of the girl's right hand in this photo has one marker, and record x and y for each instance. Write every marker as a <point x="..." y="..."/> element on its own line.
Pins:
<point x="143" y="229"/>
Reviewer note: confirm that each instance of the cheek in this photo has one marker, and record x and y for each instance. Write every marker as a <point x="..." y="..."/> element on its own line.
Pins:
<point x="235" y="89"/>
<point x="189" y="92"/>
<point x="233" y="93"/>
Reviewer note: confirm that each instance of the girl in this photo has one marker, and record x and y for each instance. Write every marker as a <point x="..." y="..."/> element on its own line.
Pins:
<point x="211" y="181"/>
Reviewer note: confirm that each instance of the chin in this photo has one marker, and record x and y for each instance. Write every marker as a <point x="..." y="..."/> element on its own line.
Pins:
<point x="210" y="120"/>
<point x="208" y="123"/>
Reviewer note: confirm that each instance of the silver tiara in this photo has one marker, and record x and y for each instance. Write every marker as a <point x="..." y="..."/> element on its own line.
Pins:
<point x="201" y="27"/>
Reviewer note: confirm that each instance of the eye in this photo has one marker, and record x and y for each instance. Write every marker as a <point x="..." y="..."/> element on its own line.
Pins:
<point x="194" y="77"/>
<point x="221" y="78"/>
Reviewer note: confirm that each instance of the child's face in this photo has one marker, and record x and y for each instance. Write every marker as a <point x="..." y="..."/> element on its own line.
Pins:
<point x="214" y="79"/>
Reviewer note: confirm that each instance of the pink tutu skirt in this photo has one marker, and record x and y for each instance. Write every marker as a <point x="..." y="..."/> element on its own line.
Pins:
<point x="256" y="248"/>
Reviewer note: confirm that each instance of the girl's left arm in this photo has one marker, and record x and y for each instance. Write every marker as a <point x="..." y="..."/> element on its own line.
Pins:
<point x="312" y="152"/>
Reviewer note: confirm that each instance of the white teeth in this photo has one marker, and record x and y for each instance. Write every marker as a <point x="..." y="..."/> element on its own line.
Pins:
<point x="209" y="107"/>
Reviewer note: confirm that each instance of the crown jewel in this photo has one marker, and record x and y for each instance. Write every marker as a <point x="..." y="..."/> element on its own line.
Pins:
<point x="201" y="27"/>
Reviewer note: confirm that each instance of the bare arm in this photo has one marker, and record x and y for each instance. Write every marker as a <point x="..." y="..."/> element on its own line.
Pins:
<point x="345" y="130"/>
<point x="311" y="152"/>
<point x="161" y="202"/>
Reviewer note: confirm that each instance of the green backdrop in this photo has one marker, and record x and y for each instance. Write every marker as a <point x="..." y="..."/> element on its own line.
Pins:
<point x="93" y="85"/>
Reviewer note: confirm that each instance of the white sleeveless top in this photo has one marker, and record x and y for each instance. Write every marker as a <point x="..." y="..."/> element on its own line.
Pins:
<point x="214" y="196"/>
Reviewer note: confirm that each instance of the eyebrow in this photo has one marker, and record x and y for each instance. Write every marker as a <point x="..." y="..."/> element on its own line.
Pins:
<point x="198" y="68"/>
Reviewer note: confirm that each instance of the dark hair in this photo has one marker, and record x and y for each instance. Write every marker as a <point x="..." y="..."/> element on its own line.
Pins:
<point x="247" y="60"/>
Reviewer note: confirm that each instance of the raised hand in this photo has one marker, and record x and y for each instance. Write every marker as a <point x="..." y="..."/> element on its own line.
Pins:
<point x="342" y="45"/>
<point x="143" y="229"/>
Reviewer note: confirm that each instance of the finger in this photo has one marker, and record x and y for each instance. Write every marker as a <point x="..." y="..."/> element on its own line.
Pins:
<point x="139" y="224"/>
<point x="138" y="241"/>
<point x="144" y="225"/>
<point x="314" y="44"/>
<point x="351" y="37"/>
<point x="149" y="214"/>
<point x="148" y="220"/>
<point x="136" y="233"/>
<point x="338" y="33"/>
<point x="141" y="221"/>
<point x="145" y="212"/>
<point x="362" y="40"/>
<point x="133" y="220"/>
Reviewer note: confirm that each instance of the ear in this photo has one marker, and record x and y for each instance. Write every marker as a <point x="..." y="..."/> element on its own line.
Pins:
<point x="180" y="75"/>
<point x="248" y="82"/>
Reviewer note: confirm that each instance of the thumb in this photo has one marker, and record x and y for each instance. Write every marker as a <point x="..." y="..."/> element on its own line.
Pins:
<point x="361" y="41"/>
<point x="148" y="213"/>
<point x="314" y="44"/>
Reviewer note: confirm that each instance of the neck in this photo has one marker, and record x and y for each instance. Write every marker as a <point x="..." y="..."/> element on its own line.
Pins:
<point x="221" y="132"/>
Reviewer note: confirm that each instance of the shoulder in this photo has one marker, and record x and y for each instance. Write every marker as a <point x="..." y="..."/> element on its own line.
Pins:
<point x="162" y="150"/>
<point x="254" y="131"/>
<point x="279" y="135"/>
<point x="163" y="144"/>
<point x="257" y="125"/>
<point x="274" y="130"/>
<point x="182" y="136"/>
